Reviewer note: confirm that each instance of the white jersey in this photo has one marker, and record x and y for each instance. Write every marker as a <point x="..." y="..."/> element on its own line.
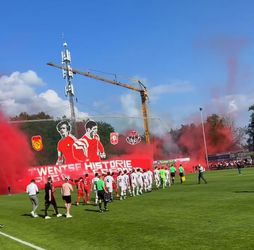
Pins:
<point x="126" y="180"/>
<point x="32" y="189"/>
<point x="94" y="181"/>
<point x="134" y="177"/>
<point x="156" y="174"/>
<point x="140" y="177"/>
<point x="150" y="176"/>
<point x="145" y="177"/>
<point x="109" y="182"/>
<point x="120" y="181"/>
<point x="167" y="174"/>
<point x="201" y="169"/>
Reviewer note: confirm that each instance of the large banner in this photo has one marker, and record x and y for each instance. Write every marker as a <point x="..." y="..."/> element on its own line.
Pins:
<point x="85" y="155"/>
<point x="76" y="170"/>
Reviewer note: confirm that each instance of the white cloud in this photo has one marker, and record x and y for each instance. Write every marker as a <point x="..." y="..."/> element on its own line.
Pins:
<point x="130" y="105"/>
<point x="17" y="78"/>
<point x="131" y="109"/>
<point x="234" y="103"/>
<point x="235" y="106"/>
<point x="18" y="94"/>
<point x="176" y="86"/>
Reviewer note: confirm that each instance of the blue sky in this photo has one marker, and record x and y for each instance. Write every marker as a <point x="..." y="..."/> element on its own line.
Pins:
<point x="189" y="54"/>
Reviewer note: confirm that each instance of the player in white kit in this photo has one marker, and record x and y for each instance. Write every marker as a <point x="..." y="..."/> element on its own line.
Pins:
<point x="150" y="180"/>
<point x="157" y="179"/>
<point x="134" y="182"/>
<point x="109" y="180"/>
<point x="145" y="180"/>
<point x="168" y="184"/>
<point x="140" y="181"/>
<point x="121" y="186"/>
<point x="94" y="187"/>
<point x="126" y="178"/>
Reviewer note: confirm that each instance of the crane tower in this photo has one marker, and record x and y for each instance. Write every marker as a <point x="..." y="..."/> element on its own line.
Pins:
<point x="68" y="75"/>
<point x="69" y="89"/>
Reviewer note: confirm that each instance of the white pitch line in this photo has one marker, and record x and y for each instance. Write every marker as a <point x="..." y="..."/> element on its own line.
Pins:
<point x="21" y="241"/>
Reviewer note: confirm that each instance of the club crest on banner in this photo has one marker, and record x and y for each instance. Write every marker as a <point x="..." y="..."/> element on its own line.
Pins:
<point x="37" y="143"/>
<point x="133" y="138"/>
<point x="114" y="138"/>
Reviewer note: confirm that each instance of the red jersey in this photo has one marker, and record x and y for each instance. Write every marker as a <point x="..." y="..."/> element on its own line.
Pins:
<point x="65" y="147"/>
<point x="115" y="181"/>
<point x="86" y="149"/>
<point x="80" y="185"/>
<point x="87" y="183"/>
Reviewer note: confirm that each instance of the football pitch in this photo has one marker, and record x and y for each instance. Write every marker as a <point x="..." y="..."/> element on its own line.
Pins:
<point x="217" y="215"/>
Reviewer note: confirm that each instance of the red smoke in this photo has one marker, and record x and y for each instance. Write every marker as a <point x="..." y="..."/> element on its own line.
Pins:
<point x="229" y="50"/>
<point x="16" y="157"/>
<point x="218" y="140"/>
<point x="139" y="151"/>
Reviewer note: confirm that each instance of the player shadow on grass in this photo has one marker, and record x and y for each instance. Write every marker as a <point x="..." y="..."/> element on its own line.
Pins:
<point x="91" y="210"/>
<point x="42" y="215"/>
<point x="51" y="209"/>
<point x="83" y="204"/>
<point x="29" y="215"/>
<point x="244" y="191"/>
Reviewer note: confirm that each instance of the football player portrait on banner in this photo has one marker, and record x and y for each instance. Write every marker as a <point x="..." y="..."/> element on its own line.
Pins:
<point x="89" y="147"/>
<point x="65" y="144"/>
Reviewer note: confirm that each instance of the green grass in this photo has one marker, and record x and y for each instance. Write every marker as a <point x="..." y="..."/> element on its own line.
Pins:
<point x="217" y="215"/>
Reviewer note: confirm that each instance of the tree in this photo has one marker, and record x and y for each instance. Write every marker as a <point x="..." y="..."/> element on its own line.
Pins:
<point x="219" y="138"/>
<point x="250" y="130"/>
<point x="215" y="127"/>
<point x="239" y="133"/>
<point x="240" y="137"/>
<point x="104" y="130"/>
<point x="26" y="116"/>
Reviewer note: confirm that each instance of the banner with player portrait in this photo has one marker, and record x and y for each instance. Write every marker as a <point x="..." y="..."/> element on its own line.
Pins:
<point x="85" y="155"/>
<point x="87" y="148"/>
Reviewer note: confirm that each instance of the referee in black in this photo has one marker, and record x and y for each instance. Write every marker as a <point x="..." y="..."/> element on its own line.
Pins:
<point x="102" y="192"/>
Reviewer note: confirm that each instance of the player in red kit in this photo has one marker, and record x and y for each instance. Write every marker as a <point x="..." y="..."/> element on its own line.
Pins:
<point x="64" y="146"/>
<point x="81" y="190"/>
<point x="87" y="187"/>
<point x="114" y="175"/>
<point x="89" y="147"/>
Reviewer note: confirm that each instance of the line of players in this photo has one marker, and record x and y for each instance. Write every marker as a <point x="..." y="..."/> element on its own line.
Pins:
<point x="125" y="183"/>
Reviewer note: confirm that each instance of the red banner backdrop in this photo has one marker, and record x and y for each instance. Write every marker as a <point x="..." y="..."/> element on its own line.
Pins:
<point x="76" y="170"/>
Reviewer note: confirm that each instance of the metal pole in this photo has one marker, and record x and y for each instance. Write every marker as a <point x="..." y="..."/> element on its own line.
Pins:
<point x="69" y="89"/>
<point x="203" y="129"/>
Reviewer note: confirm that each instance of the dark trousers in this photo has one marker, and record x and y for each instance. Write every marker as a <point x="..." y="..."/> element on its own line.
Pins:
<point x="201" y="176"/>
<point x="181" y="177"/>
<point x="101" y="198"/>
<point x="48" y="203"/>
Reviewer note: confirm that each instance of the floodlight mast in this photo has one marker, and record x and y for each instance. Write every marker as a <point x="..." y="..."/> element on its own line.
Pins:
<point x="69" y="89"/>
<point x="142" y="91"/>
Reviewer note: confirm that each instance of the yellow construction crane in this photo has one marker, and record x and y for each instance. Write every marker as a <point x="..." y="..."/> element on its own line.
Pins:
<point x="142" y="90"/>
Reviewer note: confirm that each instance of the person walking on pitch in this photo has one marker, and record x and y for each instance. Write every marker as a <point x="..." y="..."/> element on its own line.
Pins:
<point x="32" y="190"/>
<point x="201" y="174"/>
